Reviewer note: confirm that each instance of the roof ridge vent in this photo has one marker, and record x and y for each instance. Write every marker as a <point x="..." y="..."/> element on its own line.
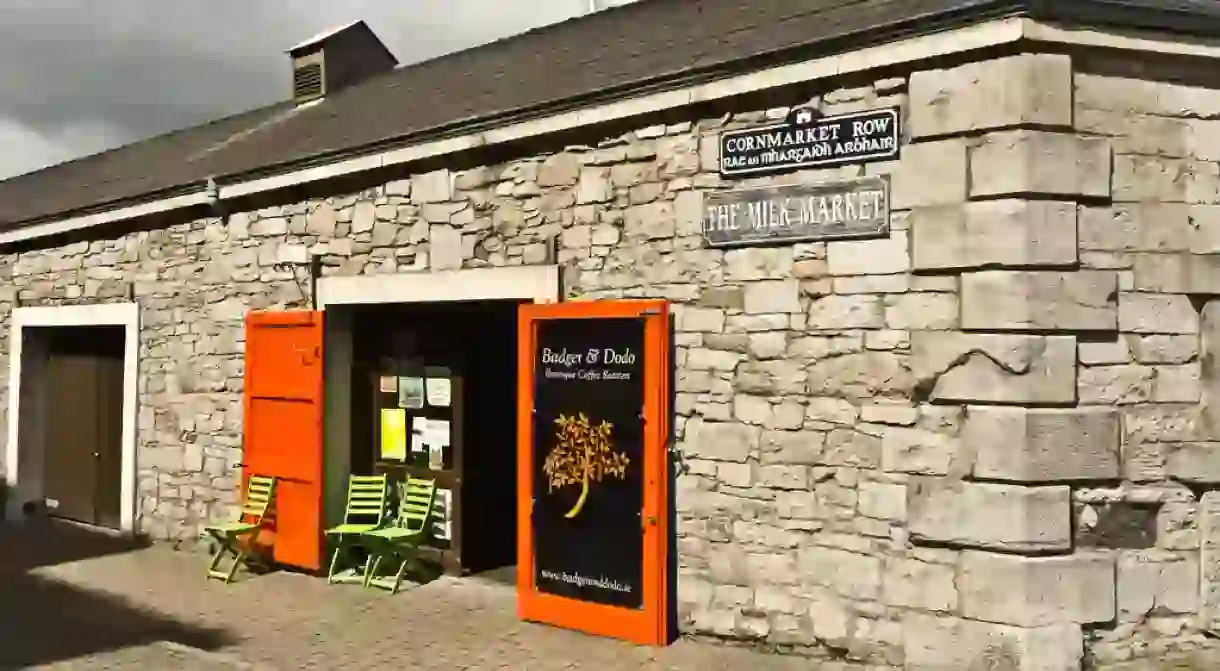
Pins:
<point x="337" y="58"/>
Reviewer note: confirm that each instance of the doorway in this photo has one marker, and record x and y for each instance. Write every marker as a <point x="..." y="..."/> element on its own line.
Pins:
<point x="348" y="408"/>
<point x="80" y="395"/>
<point x="403" y="353"/>
<point x="31" y="415"/>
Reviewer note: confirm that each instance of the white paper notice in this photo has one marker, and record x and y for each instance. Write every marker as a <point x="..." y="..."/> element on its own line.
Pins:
<point x="436" y="432"/>
<point x="411" y="392"/>
<point x="419" y="425"/>
<point x="441" y="525"/>
<point x="439" y="391"/>
<point x="417" y="442"/>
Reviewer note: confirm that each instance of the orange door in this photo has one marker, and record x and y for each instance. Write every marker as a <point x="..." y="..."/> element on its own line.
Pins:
<point x="592" y="472"/>
<point x="283" y="426"/>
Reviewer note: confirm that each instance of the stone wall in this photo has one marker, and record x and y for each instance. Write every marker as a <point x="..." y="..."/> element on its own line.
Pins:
<point x="1158" y="233"/>
<point x="985" y="439"/>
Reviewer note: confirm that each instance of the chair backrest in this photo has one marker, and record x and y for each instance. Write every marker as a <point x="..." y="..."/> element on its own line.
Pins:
<point x="260" y="492"/>
<point x="415" y="503"/>
<point x="366" y="498"/>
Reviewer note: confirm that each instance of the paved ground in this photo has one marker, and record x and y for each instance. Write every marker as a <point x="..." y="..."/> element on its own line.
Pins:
<point x="83" y="602"/>
<point x="73" y="600"/>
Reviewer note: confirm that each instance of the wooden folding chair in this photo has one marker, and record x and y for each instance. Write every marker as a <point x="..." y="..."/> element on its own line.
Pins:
<point x="367" y="503"/>
<point x="238" y="537"/>
<point x="400" y="540"/>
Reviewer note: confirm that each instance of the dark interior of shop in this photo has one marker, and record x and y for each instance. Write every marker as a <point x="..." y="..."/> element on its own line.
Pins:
<point x="474" y="344"/>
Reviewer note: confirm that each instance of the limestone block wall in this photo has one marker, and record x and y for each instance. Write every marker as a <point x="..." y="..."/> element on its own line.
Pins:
<point x="986" y="438"/>
<point x="919" y="510"/>
<point x="1157" y="232"/>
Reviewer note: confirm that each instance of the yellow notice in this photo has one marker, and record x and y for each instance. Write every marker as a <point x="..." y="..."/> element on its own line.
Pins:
<point x="394" y="433"/>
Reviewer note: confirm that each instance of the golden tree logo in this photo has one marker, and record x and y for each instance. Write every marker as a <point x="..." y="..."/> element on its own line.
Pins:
<point x="583" y="454"/>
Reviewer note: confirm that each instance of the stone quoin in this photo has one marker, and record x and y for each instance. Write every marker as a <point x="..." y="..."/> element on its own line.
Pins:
<point x="986" y="434"/>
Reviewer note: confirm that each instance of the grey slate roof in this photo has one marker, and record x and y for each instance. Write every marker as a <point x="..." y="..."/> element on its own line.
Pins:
<point x="647" y="45"/>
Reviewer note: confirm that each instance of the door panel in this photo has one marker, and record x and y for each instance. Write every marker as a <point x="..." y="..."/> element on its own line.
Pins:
<point x="283" y="427"/>
<point x="288" y="351"/>
<point x="298" y="523"/>
<point x="592" y="467"/>
<point x="108" y="503"/>
<point x="69" y="418"/>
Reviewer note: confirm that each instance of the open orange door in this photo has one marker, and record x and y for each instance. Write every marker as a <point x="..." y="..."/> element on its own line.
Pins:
<point x="283" y="427"/>
<point x="592" y="472"/>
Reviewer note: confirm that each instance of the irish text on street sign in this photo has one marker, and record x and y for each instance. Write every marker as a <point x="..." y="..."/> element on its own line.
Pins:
<point x="806" y="141"/>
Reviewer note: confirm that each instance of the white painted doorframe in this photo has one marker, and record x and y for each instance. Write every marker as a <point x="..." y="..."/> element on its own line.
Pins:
<point x="537" y="283"/>
<point x="125" y="314"/>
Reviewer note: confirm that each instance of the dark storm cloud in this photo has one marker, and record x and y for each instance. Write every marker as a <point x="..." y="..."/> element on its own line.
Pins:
<point x="142" y="67"/>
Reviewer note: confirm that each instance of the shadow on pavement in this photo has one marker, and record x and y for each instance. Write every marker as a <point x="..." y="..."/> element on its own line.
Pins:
<point x="41" y="542"/>
<point x="44" y="620"/>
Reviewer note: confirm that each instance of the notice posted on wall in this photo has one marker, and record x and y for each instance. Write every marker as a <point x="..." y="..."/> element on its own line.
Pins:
<point x="387" y="384"/>
<point x="440" y="392"/>
<point x="393" y="433"/>
<point x="442" y="525"/>
<point x="419" y="427"/>
<point x="436" y="432"/>
<point x="411" y="392"/>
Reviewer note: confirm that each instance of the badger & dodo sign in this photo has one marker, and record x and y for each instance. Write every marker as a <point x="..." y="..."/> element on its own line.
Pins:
<point x="858" y="208"/>
<point x="588" y="460"/>
<point x="806" y="140"/>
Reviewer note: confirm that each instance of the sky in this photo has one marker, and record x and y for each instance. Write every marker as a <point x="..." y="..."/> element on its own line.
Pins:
<point x="82" y="76"/>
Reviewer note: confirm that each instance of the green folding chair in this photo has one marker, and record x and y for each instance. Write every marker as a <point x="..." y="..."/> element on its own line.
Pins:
<point x="367" y="505"/>
<point x="400" y="540"/>
<point x="237" y="537"/>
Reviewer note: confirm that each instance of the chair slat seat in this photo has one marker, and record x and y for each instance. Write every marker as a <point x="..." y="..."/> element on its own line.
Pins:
<point x="351" y="529"/>
<point x="393" y="533"/>
<point x="230" y="527"/>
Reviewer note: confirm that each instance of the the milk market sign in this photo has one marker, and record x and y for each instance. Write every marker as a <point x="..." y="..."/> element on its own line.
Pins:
<point x="807" y="140"/>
